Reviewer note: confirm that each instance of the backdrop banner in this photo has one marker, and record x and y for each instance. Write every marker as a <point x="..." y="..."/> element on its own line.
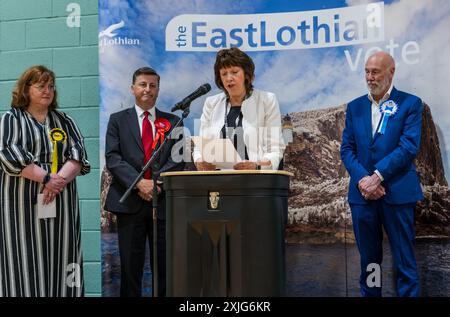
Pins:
<point x="311" y="54"/>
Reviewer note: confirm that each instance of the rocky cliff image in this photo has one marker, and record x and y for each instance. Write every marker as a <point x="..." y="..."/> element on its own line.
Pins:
<point x="318" y="208"/>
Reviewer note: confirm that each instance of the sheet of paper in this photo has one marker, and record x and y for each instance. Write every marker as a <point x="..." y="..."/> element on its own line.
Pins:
<point x="45" y="211"/>
<point x="220" y="152"/>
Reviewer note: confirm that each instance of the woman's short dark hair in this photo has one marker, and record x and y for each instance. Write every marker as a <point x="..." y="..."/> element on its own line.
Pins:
<point x="34" y="74"/>
<point x="144" y="71"/>
<point x="229" y="57"/>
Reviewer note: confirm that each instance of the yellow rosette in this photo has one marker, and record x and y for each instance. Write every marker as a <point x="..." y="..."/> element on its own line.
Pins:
<point x="58" y="136"/>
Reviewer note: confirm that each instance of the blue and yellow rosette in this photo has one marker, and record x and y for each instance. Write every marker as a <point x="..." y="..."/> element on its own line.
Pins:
<point x="387" y="109"/>
<point x="58" y="138"/>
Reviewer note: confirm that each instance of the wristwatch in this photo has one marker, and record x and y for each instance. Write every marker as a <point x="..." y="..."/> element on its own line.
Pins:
<point x="46" y="178"/>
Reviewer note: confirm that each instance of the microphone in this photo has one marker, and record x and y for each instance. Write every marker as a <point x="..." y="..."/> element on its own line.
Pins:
<point x="183" y="104"/>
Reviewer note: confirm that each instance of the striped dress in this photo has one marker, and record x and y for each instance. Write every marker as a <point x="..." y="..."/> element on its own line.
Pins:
<point x="38" y="257"/>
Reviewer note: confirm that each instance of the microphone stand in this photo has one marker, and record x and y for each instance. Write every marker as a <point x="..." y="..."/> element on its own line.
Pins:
<point x="155" y="174"/>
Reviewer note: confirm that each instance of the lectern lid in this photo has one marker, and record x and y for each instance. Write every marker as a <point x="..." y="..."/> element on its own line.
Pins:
<point x="226" y="172"/>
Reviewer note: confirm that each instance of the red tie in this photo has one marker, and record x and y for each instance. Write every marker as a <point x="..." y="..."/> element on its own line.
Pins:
<point x="147" y="140"/>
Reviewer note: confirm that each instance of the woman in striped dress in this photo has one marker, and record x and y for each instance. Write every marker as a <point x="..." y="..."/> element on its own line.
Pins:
<point x="41" y="153"/>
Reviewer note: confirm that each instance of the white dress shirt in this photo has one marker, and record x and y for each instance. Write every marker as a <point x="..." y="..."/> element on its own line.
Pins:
<point x="141" y="116"/>
<point x="376" y="116"/>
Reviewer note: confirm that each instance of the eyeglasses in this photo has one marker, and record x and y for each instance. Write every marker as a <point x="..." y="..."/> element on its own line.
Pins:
<point x="41" y="87"/>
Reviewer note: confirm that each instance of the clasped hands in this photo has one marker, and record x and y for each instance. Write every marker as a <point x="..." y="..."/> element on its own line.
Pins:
<point x="55" y="185"/>
<point x="145" y="187"/>
<point x="371" y="188"/>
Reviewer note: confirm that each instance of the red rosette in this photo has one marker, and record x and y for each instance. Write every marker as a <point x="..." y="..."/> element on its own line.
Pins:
<point x="162" y="126"/>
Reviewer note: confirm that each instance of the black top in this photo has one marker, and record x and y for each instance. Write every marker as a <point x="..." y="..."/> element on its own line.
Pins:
<point x="232" y="121"/>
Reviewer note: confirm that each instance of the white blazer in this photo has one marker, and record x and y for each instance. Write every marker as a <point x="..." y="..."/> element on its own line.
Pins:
<point x="261" y="124"/>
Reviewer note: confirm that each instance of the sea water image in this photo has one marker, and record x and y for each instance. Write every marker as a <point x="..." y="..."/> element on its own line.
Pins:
<point x="318" y="270"/>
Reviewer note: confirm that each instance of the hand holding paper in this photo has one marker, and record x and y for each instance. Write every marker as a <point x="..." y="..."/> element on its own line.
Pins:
<point x="45" y="210"/>
<point x="218" y="152"/>
<point x="204" y="166"/>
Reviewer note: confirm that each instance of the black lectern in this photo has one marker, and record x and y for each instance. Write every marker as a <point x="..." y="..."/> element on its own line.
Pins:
<point x="225" y="233"/>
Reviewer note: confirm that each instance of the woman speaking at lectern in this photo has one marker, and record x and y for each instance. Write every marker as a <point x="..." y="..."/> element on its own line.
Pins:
<point x="249" y="117"/>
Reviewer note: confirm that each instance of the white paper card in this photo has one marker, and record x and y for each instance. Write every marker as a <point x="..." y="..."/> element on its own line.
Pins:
<point x="220" y="152"/>
<point x="45" y="211"/>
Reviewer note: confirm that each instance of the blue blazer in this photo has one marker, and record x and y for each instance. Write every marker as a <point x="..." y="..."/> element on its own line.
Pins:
<point x="391" y="153"/>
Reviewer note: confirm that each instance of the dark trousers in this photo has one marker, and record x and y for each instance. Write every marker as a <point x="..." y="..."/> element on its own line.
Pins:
<point x="398" y="222"/>
<point x="134" y="230"/>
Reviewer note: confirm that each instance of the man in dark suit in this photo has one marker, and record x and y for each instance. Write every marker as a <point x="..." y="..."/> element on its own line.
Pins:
<point x="379" y="143"/>
<point x="129" y="140"/>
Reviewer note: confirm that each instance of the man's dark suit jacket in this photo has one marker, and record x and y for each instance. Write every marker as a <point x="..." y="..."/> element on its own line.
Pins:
<point x="124" y="154"/>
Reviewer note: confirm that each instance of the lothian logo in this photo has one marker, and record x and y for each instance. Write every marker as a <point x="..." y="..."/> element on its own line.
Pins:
<point x="109" y="36"/>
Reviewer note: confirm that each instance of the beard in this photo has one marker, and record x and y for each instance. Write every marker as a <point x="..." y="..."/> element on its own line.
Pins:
<point x="377" y="88"/>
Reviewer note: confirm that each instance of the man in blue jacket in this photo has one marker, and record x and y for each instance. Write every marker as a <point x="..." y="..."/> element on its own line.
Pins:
<point x="379" y="143"/>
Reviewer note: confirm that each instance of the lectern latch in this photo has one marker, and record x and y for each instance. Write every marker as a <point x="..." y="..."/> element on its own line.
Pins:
<point x="214" y="198"/>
